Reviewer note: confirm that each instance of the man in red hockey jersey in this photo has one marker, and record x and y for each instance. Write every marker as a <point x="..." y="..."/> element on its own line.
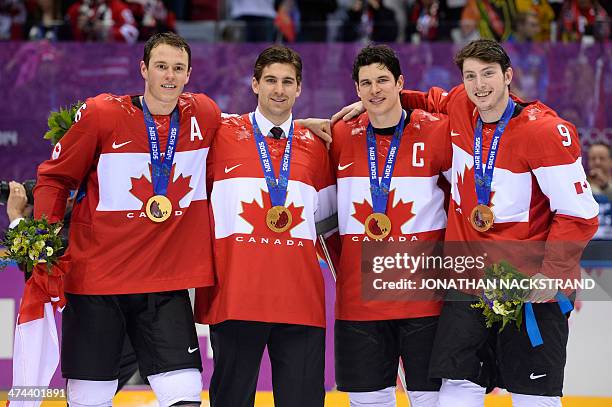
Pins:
<point x="540" y="194"/>
<point x="269" y="289"/>
<point x="138" y="236"/>
<point x="533" y="158"/>
<point x="407" y="205"/>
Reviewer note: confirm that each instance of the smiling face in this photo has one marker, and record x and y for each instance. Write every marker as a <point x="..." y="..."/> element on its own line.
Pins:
<point x="379" y="91"/>
<point x="487" y="87"/>
<point x="599" y="158"/>
<point x="276" y="91"/>
<point x="165" y="77"/>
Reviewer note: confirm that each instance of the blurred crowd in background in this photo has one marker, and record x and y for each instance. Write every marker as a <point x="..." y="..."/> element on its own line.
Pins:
<point x="414" y="21"/>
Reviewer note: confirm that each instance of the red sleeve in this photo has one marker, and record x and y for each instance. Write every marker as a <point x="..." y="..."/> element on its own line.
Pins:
<point x="216" y="113"/>
<point x="443" y="139"/>
<point x="70" y="162"/>
<point x="211" y="113"/>
<point x="444" y="156"/>
<point x="210" y="165"/>
<point x="339" y="130"/>
<point x="327" y="203"/>
<point x="555" y="158"/>
<point x="328" y="207"/>
<point x="327" y="176"/>
<point x="333" y="241"/>
<point x="436" y="100"/>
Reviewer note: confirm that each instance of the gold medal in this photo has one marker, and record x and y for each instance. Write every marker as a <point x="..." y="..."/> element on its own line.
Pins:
<point x="278" y="219"/>
<point x="158" y="208"/>
<point x="377" y="226"/>
<point x="482" y="218"/>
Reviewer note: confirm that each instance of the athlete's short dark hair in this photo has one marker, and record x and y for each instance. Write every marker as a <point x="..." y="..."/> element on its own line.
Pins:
<point x="168" y="38"/>
<point x="278" y="54"/>
<point x="377" y="54"/>
<point x="485" y="50"/>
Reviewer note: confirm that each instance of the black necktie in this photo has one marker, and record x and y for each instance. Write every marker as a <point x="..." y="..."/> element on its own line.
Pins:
<point x="276" y="132"/>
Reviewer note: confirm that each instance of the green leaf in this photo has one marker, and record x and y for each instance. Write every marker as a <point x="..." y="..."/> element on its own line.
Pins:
<point x="67" y="118"/>
<point x="519" y="316"/>
<point x="504" y="322"/>
<point x="62" y="123"/>
<point x="51" y="120"/>
<point x="54" y="135"/>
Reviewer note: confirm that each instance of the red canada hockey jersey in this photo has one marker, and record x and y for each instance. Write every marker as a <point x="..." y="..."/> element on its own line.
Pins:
<point x="263" y="275"/>
<point x="415" y="206"/>
<point x="539" y="187"/>
<point x="114" y="248"/>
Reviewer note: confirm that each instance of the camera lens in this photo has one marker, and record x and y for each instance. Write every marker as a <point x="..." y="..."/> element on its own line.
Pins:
<point x="5" y="190"/>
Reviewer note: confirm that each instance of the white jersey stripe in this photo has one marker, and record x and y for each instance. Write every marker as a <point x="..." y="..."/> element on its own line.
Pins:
<point x="426" y="197"/>
<point x="116" y="171"/>
<point x="234" y="191"/>
<point x="559" y="184"/>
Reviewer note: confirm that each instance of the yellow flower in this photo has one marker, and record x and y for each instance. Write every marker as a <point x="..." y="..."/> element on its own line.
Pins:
<point x="499" y="308"/>
<point x="49" y="251"/>
<point x="39" y="245"/>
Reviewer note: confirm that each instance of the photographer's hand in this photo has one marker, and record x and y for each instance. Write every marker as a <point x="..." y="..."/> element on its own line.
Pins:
<point x="17" y="203"/>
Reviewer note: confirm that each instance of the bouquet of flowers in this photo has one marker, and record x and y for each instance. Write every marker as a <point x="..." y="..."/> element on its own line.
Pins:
<point x="504" y="302"/>
<point x="31" y="242"/>
<point x="35" y="241"/>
